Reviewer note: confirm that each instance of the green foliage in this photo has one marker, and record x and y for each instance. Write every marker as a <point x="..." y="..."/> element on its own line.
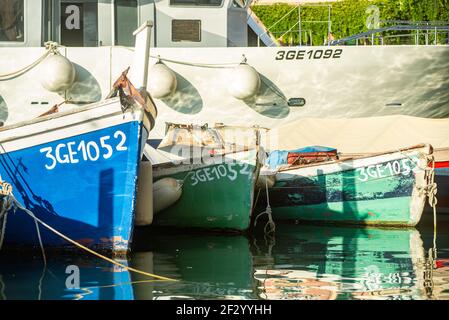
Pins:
<point x="348" y="17"/>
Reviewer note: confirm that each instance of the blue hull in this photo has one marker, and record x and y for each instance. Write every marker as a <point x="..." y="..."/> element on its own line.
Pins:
<point x="84" y="187"/>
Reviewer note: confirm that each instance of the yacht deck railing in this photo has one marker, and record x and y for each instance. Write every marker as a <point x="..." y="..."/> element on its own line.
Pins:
<point x="417" y="33"/>
<point x="394" y="32"/>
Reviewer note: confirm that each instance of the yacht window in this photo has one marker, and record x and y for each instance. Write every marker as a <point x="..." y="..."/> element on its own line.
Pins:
<point x="11" y="20"/>
<point x="79" y="23"/>
<point x="126" y="21"/>
<point x="239" y="3"/>
<point x="204" y="3"/>
<point x="186" y="30"/>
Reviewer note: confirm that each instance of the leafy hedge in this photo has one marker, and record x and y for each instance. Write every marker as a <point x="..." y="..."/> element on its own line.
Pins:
<point x="348" y="17"/>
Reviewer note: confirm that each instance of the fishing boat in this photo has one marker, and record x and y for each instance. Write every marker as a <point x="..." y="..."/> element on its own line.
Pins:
<point x="376" y="135"/>
<point x="203" y="181"/>
<point x="386" y="189"/>
<point x="76" y="170"/>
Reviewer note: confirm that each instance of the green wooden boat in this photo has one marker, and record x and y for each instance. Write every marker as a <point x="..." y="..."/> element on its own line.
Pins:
<point x="387" y="189"/>
<point x="216" y="180"/>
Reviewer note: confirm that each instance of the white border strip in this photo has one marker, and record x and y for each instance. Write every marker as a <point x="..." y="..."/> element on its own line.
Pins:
<point x="68" y="125"/>
<point x="344" y="165"/>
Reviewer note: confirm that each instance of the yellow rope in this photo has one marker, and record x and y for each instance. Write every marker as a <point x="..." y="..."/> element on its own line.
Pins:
<point x="89" y="250"/>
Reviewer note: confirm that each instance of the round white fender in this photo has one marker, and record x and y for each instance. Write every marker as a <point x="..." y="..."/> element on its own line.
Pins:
<point x="161" y="81"/>
<point x="244" y="82"/>
<point x="144" y="202"/>
<point x="165" y="193"/>
<point x="57" y="73"/>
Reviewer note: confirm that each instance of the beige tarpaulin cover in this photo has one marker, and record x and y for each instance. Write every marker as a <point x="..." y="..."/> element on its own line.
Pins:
<point x="362" y="135"/>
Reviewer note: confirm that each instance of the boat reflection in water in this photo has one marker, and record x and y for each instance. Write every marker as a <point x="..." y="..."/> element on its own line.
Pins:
<point x="314" y="263"/>
<point x="208" y="266"/>
<point x="303" y="262"/>
<point x="69" y="277"/>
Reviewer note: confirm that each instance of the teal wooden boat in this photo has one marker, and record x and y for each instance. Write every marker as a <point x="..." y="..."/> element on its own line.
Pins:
<point x="212" y="182"/>
<point x="387" y="189"/>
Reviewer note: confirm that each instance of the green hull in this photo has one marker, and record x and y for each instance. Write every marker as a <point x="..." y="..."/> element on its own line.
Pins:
<point x="216" y="196"/>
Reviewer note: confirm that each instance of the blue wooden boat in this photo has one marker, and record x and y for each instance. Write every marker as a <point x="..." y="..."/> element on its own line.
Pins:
<point x="77" y="170"/>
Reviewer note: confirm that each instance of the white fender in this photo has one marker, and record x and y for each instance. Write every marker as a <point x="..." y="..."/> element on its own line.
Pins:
<point x="144" y="202"/>
<point x="161" y="81"/>
<point x="57" y="73"/>
<point x="165" y="193"/>
<point x="244" y="82"/>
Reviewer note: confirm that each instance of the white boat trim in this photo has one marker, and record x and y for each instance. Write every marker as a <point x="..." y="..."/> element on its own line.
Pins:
<point x="350" y="164"/>
<point x="68" y="124"/>
<point x="247" y="157"/>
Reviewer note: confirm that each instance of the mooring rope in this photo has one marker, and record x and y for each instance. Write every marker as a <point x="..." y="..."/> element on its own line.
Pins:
<point x="5" y="206"/>
<point x="51" y="48"/>
<point x="41" y="244"/>
<point x="41" y="281"/>
<point x="270" y="226"/>
<point x="2" y="289"/>
<point x="200" y="65"/>
<point x="429" y="265"/>
<point x="17" y="205"/>
<point x="3" y="229"/>
<point x="431" y="192"/>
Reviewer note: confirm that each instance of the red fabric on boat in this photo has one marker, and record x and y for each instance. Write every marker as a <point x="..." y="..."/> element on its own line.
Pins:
<point x="311" y="157"/>
<point x="442" y="164"/>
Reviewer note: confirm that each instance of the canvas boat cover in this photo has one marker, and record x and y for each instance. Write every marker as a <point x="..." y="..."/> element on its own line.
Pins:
<point x="362" y="135"/>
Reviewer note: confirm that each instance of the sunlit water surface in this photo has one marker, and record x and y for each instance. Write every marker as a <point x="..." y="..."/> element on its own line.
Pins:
<point x="303" y="262"/>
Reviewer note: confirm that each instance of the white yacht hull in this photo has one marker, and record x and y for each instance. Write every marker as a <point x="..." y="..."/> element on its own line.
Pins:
<point x="354" y="82"/>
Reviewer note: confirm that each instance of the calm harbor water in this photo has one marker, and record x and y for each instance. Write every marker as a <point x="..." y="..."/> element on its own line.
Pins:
<point x="302" y="262"/>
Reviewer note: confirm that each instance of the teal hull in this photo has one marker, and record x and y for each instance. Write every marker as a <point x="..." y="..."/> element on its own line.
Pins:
<point x="393" y="211"/>
<point x="384" y="194"/>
